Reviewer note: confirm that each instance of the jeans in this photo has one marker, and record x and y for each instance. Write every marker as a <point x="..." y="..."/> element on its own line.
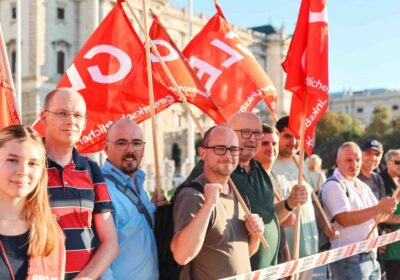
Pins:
<point x="363" y="266"/>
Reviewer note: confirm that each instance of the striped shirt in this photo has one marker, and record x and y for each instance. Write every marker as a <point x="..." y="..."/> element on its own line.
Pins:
<point x="76" y="195"/>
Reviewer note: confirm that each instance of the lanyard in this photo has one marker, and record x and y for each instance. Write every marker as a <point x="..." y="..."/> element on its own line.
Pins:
<point x="6" y="260"/>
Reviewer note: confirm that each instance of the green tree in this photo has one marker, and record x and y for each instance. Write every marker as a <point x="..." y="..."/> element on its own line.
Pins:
<point x="380" y="122"/>
<point x="332" y="130"/>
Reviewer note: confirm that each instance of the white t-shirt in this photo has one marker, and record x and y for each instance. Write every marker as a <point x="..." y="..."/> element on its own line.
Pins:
<point x="336" y="201"/>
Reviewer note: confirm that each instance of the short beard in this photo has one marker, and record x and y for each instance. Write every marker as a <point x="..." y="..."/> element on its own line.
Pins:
<point x="128" y="171"/>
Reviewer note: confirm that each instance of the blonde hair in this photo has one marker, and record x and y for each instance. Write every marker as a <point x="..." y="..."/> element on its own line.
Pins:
<point x="314" y="163"/>
<point x="37" y="213"/>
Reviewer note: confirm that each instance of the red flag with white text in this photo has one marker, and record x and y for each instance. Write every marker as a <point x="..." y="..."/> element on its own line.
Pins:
<point x="110" y="73"/>
<point x="180" y="69"/>
<point x="228" y="69"/>
<point x="306" y="66"/>
<point x="8" y="110"/>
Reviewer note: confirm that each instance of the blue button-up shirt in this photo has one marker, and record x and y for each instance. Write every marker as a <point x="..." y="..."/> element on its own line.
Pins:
<point x="137" y="258"/>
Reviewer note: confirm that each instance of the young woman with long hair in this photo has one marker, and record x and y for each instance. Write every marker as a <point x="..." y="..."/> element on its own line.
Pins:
<point x="31" y="243"/>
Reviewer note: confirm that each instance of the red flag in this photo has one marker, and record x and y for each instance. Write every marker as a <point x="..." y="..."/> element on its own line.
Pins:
<point x="180" y="69"/>
<point x="8" y="110"/>
<point x="228" y="70"/>
<point x="306" y="66"/>
<point x="110" y="73"/>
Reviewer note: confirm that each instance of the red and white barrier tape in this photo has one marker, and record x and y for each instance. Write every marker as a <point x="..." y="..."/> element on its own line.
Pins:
<point x="320" y="259"/>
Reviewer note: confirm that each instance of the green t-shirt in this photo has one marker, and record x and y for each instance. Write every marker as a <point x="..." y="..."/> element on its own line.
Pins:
<point x="257" y="187"/>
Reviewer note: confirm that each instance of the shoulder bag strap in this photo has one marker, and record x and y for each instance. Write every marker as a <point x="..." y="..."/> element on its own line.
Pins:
<point x="132" y="197"/>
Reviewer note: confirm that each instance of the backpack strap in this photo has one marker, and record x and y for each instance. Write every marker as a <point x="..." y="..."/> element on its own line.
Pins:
<point x="133" y="197"/>
<point x="343" y="187"/>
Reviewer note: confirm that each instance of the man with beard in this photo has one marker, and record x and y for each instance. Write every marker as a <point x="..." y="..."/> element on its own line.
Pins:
<point x="255" y="185"/>
<point x="77" y="191"/>
<point x="213" y="237"/>
<point x="137" y="258"/>
<point x="286" y="169"/>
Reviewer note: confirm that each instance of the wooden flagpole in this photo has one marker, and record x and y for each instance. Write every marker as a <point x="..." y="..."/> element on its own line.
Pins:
<point x="6" y="62"/>
<point x="183" y="99"/>
<point x="382" y="217"/>
<point x="203" y="88"/>
<point x="315" y="198"/>
<point x="151" y="96"/>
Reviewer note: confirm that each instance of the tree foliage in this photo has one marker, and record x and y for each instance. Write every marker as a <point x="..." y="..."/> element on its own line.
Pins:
<point x="381" y="123"/>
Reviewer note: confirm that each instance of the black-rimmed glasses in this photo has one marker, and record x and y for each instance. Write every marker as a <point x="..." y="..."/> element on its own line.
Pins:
<point x="64" y="115"/>
<point x="122" y="145"/>
<point x="221" y="150"/>
<point x="246" y="133"/>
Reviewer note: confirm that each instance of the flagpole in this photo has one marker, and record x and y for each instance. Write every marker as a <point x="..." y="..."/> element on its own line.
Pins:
<point x="190" y="69"/>
<point x="382" y="217"/>
<point x="7" y="66"/>
<point x="151" y="96"/>
<point x="191" y="129"/>
<point x="315" y="199"/>
<point x="300" y="182"/>
<point x="196" y="122"/>
<point x="18" y="72"/>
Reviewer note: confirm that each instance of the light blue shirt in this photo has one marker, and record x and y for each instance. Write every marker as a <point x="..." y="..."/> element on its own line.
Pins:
<point x="137" y="258"/>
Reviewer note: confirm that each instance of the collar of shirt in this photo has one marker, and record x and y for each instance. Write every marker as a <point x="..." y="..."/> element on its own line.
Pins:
<point x="109" y="168"/>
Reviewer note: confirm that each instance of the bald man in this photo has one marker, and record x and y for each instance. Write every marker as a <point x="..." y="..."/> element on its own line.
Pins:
<point x="350" y="203"/>
<point x="137" y="258"/>
<point x="213" y="238"/>
<point x="254" y="183"/>
<point x="78" y="193"/>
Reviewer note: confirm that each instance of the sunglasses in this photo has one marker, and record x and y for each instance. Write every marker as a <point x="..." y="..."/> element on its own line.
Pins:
<point x="397" y="162"/>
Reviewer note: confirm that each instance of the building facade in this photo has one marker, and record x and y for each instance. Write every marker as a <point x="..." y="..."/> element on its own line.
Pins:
<point x="361" y="104"/>
<point x="53" y="31"/>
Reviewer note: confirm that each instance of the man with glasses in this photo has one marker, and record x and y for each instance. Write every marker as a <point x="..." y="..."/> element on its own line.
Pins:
<point x="78" y="193"/>
<point x="254" y="184"/>
<point x="213" y="238"/>
<point x="391" y="179"/>
<point x="137" y="258"/>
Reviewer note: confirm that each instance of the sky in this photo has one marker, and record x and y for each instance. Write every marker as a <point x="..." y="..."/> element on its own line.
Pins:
<point x="364" y="35"/>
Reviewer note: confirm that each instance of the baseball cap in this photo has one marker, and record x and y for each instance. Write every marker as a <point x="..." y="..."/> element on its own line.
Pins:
<point x="372" y="144"/>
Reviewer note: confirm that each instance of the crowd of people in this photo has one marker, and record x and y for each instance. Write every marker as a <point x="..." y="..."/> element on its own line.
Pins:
<point x="64" y="217"/>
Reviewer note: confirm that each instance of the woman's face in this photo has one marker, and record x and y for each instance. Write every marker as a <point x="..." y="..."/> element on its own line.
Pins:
<point x="20" y="169"/>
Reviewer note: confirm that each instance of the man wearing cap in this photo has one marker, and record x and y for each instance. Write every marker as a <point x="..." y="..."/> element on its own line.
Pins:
<point x="372" y="152"/>
<point x="391" y="179"/>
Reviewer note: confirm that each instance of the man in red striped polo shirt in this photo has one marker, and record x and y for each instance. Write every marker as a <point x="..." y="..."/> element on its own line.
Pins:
<point x="78" y="193"/>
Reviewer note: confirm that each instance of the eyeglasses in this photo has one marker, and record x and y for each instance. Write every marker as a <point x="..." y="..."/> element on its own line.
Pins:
<point x="122" y="145"/>
<point x="221" y="150"/>
<point x="397" y="162"/>
<point x="246" y="133"/>
<point x="64" y="115"/>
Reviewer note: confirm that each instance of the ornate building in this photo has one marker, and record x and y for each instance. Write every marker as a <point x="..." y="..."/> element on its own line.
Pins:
<point x="54" y="30"/>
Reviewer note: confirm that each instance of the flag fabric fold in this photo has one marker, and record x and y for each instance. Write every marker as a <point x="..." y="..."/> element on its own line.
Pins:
<point x="306" y="65"/>
<point x="8" y="109"/>
<point x="227" y="68"/>
<point x="110" y="73"/>
<point x="180" y="69"/>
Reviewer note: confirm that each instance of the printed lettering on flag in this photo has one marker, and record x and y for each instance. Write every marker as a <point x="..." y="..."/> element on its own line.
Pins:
<point x="180" y="69"/>
<point x="306" y="66"/>
<point x="228" y="69"/>
<point x="110" y="73"/>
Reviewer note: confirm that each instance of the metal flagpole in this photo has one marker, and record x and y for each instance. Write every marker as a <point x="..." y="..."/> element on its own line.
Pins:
<point x="191" y="128"/>
<point x="18" y="70"/>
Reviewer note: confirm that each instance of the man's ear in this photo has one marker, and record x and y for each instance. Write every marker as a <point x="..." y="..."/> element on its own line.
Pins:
<point x="202" y="152"/>
<point x="43" y="116"/>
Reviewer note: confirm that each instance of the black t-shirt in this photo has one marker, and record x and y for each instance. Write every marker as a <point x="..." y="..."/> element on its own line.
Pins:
<point x="16" y="249"/>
